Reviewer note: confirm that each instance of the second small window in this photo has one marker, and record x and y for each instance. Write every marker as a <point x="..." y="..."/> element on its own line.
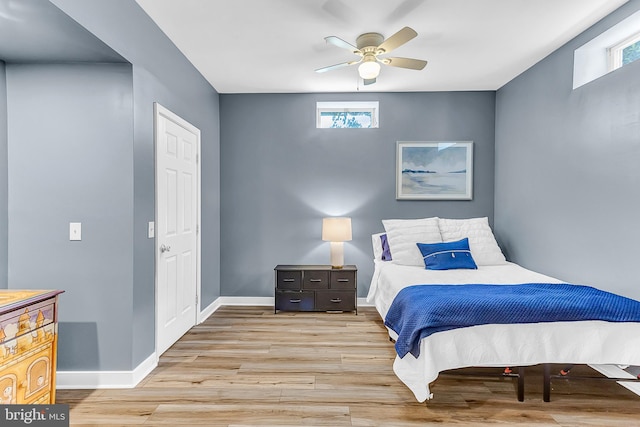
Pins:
<point x="332" y="115"/>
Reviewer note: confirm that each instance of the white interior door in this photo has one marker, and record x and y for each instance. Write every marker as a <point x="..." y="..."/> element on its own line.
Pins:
<point x="177" y="227"/>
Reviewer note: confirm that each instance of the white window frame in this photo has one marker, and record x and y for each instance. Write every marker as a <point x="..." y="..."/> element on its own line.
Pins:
<point x="615" y="51"/>
<point x="592" y="60"/>
<point x="372" y="107"/>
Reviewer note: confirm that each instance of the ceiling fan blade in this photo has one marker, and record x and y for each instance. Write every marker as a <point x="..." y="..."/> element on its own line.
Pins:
<point x="403" y="10"/>
<point x="337" y="41"/>
<point x="397" y="40"/>
<point x="413" y="64"/>
<point x="369" y="81"/>
<point x="333" y="67"/>
<point x="339" y="10"/>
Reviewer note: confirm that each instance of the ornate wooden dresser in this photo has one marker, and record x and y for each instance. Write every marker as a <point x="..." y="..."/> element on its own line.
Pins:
<point x="28" y="346"/>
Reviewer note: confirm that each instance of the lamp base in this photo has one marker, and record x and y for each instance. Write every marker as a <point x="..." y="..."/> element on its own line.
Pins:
<point x="337" y="254"/>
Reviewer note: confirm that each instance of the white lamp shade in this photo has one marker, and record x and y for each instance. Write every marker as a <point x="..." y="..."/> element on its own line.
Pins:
<point x="336" y="229"/>
<point x="369" y="70"/>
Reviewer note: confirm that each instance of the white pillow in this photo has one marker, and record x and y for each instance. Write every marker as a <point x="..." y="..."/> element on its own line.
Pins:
<point x="483" y="245"/>
<point x="377" y="246"/>
<point x="403" y="234"/>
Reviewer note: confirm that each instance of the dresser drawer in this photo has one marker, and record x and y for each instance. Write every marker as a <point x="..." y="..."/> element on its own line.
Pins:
<point x="315" y="288"/>
<point x="343" y="280"/>
<point x="295" y="301"/>
<point x="315" y="280"/>
<point x="36" y="316"/>
<point x="28" y="344"/>
<point x="289" y="280"/>
<point x="335" y="300"/>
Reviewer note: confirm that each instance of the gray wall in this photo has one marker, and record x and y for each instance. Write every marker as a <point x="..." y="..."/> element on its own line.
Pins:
<point x="160" y="74"/>
<point x="567" y="174"/>
<point x="3" y="176"/>
<point x="280" y="175"/>
<point x="70" y="150"/>
<point x="105" y="157"/>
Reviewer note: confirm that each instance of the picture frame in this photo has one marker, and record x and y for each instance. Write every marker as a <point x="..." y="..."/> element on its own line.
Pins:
<point x="434" y="170"/>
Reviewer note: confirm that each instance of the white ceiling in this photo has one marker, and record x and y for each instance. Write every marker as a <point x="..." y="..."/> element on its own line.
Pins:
<point x="274" y="46"/>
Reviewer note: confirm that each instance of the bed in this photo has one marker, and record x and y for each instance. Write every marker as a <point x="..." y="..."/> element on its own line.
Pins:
<point x="398" y="266"/>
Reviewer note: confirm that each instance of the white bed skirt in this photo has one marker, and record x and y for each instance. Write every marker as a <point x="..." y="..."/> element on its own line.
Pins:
<point x="588" y="342"/>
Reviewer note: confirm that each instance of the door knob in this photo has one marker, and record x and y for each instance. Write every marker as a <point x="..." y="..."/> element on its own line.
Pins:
<point x="164" y="248"/>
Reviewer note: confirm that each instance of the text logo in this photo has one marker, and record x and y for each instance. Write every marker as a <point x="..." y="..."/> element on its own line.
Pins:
<point x="34" y="415"/>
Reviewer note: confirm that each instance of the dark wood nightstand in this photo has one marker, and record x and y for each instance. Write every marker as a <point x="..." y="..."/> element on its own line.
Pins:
<point x="315" y="288"/>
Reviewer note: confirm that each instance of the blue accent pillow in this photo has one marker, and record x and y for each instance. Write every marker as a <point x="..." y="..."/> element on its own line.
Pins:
<point x="386" y="252"/>
<point x="447" y="255"/>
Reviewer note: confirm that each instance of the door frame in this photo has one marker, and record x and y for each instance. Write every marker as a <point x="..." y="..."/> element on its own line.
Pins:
<point x="160" y="111"/>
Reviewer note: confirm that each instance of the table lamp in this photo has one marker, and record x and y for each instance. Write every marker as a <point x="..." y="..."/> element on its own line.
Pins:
<point x="336" y="230"/>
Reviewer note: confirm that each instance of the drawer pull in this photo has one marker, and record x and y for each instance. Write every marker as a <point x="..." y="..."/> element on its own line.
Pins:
<point x="343" y="280"/>
<point x="288" y="280"/>
<point x="295" y="301"/>
<point x="315" y="280"/>
<point x="336" y="300"/>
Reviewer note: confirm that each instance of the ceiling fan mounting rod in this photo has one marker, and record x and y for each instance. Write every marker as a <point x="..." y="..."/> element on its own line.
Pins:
<point x="369" y="57"/>
<point x="372" y="50"/>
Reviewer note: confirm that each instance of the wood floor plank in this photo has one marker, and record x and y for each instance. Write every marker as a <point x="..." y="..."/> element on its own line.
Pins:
<point x="246" y="366"/>
<point x="257" y="415"/>
<point x="127" y="413"/>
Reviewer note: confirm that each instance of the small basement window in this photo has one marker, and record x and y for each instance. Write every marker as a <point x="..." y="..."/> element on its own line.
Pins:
<point x="613" y="49"/>
<point x="347" y="115"/>
<point x="624" y="52"/>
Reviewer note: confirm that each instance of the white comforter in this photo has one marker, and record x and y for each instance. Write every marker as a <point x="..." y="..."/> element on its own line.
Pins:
<point x="586" y="342"/>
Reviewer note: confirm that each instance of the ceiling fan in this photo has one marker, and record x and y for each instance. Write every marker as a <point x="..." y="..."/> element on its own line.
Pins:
<point x="369" y="46"/>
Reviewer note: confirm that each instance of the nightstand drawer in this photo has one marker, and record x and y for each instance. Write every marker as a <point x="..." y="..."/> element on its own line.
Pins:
<point x="315" y="280"/>
<point x="343" y="280"/>
<point x="315" y="288"/>
<point x="289" y="280"/>
<point x="295" y="301"/>
<point x="335" y="301"/>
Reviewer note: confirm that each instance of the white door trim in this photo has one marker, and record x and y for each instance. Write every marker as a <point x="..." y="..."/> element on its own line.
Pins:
<point x="158" y="111"/>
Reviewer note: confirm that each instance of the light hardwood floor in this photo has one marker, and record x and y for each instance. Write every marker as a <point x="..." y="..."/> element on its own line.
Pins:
<point x="245" y="366"/>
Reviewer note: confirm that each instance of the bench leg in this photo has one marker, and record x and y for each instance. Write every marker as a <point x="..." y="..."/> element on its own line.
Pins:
<point x="521" y="384"/>
<point x="546" y="390"/>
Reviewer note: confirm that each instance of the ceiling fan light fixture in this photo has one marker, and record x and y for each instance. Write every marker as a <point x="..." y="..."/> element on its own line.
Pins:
<point x="369" y="46"/>
<point x="369" y="69"/>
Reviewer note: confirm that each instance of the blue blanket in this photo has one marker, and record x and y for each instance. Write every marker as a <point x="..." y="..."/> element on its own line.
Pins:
<point x="421" y="310"/>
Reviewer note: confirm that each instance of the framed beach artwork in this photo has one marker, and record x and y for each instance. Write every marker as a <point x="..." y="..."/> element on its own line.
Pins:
<point x="437" y="170"/>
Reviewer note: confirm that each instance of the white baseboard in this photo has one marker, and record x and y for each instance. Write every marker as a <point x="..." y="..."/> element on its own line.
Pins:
<point x="106" y="379"/>
<point x="631" y="386"/>
<point x="129" y="379"/>
<point x="362" y="302"/>
<point x="614" y="371"/>
<point x="261" y="301"/>
<point x="209" y="310"/>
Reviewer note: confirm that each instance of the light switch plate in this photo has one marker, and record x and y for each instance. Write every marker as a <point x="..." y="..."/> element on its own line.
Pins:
<point x="75" y="231"/>
<point x="152" y="230"/>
